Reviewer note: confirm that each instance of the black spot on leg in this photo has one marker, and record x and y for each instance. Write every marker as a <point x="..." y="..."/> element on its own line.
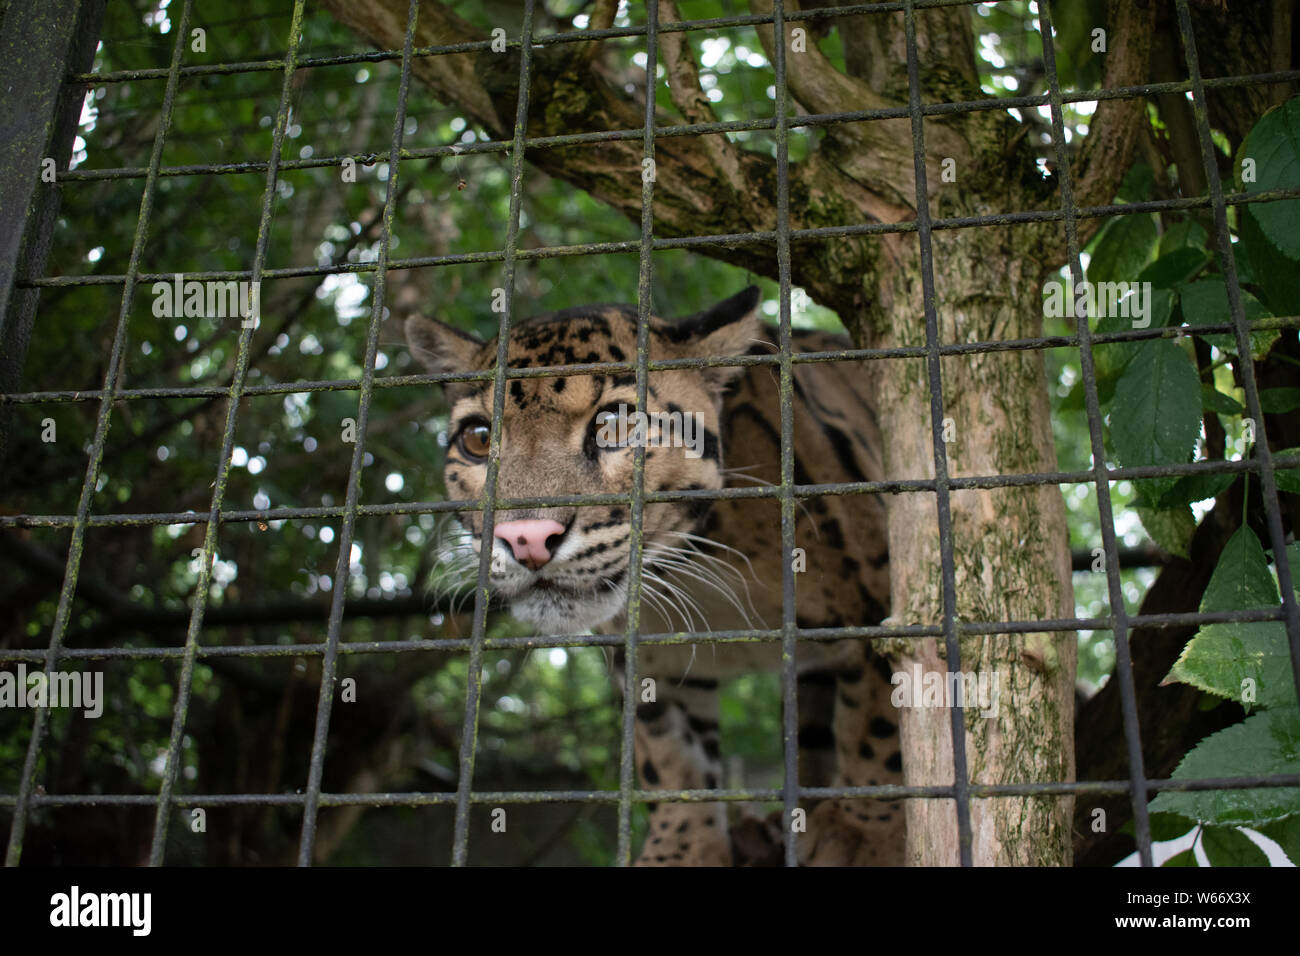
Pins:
<point x="700" y="683"/>
<point x="880" y="727"/>
<point x="684" y="827"/>
<point x="814" y="678"/>
<point x="649" y="772"/>
<point x="816" y="737"/>
<point x="865" y="751"/>
<point x="701" y="725"/>
<point x="895" y="762"/>
<point x="710" y="781"/>
<point x="883" y="668"/>
<point x="651" y="712"/>
<point x="711" y="748"/>
<point x="558" y="385"/>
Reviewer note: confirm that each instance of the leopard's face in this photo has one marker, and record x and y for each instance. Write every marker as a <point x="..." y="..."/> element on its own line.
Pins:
<point x="565" y="569"/>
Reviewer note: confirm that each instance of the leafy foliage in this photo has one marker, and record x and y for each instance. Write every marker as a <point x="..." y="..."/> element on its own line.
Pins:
<point x="1251" y="663"/>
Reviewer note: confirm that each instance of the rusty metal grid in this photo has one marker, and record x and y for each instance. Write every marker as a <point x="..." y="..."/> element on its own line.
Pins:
<point x="1138" y="785"/>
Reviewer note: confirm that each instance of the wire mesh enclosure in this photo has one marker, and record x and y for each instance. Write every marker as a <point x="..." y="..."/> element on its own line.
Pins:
<point x="82" y="625"/>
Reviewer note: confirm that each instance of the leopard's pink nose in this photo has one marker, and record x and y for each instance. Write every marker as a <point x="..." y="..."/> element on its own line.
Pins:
<point x="530" y="540"/>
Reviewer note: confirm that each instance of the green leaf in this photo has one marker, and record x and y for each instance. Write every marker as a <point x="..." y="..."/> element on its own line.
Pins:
<point x="1188" y="233"/>
<point x="1138" y="181"/>
<point x="1174" y="268"/>
<point x="1155" y="413"/>
<point x="1205" y="302"/>
<point x="1159" y="310"/>
<point x="1228" y="846"/>
<point x="1287" y="835"/>
<point x="1246" y="273"/>
<point x="1274" y="145"/>
<point x="1123" y="248"/>
<point x="1221" y="658"/>
<point x="1170" y="528"/>
<point x="1163" y="275"/>
<point x="1186" y="858"/>
<point x="1169" y="826"/>
<point x="1276" y="276"/>
<point x="1242" y="579"/>
<point x="1279" y="400"/>
<point x="1288" y="479"/>
<point x="1192" y="488"/>
<point x="1264" y="743"/>
<point x="1215" y="401"/>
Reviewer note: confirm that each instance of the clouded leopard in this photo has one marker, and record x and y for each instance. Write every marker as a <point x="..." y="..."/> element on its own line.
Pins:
<point x="706" y="567"/>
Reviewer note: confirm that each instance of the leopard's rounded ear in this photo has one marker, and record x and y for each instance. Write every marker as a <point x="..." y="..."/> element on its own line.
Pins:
<point x="439" y="347"/>
<point x="729" y="328"/>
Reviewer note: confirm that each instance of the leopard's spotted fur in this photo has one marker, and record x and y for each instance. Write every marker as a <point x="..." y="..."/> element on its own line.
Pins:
<point x="706" y="568"/>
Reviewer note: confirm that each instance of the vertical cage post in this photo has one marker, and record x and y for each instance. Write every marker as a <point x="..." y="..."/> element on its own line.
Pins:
<point x="343" y="566"/>
<point x="112" y="381"/>
<point x="943" y="502"/>
<point x="474" y="680"/>
<point x="1118" y="612"/>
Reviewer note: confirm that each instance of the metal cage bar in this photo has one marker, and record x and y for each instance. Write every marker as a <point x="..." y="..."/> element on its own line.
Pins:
<point x="1138" y="786"/>
<point x="213" y="528"/>
<point x="469" y="733"/>
<point x="687" y="242"/>
<point x="636" y="501"/>
<point x="112" y="376"/>
<point x="343" y="567"/>
<point x="1119" y="614"/>
<point x="952" y="643"/>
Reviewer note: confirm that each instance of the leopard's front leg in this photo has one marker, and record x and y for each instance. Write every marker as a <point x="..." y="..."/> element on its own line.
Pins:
<point x="677" y="748"/>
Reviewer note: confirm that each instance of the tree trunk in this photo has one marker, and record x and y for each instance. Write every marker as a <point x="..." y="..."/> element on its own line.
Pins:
<point x="1010" y="556"/>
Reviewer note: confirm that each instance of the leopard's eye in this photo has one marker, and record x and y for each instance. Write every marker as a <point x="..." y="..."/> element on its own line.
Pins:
<point x="474" y="439"/>
<point x="604" y="431"/>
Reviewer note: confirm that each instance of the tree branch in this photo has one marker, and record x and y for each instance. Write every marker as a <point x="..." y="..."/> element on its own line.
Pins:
<point x="454" y="77"/>
<point x="1113" y="132"/>
<point x="688" y="96"/>
<point x="569" y="95"/>
<point x="877" y="154"/>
